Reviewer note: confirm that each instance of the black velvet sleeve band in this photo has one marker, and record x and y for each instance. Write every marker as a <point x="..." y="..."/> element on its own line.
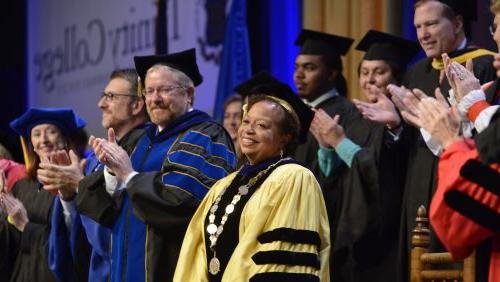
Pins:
<point x="473" y="210"/>
<point x="290" y="235"/>
<point x="286" y="257"/>
<point x="482" y="175"/>
<point x="283" y="276"/>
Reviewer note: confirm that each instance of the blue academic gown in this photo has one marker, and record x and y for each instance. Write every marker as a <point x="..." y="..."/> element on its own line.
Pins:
<point x="63" y="243"/>
<point x="176" y="168"/>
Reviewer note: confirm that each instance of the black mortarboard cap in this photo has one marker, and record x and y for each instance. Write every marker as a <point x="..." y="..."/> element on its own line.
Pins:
<point x="320" y="43"/>
<point x="184" y="61"/>
<point x="277" y="89"/>
<point x="465" y="8"/>
<point x="263" y="77"/>
<point x="65" y="119"/>
<point x="387" y="47"/>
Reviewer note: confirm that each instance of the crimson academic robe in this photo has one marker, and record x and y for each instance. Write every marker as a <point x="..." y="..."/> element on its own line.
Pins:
<point x="465" y="211"/>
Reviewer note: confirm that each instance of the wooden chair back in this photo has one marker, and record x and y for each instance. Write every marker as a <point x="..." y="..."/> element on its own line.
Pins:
<point x="427" y="266"/>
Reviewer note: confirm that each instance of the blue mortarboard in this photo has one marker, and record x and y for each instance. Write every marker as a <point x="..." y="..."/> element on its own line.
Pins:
<point x="65" y="119"/>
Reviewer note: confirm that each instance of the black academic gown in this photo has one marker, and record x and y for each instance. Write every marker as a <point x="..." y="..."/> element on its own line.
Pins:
<point x="24" y="254"/>
<point x="421" y="174"/>
<point x="488" y="141"/>
<point x="337" y="199"/>
<point x="376" y="178"/>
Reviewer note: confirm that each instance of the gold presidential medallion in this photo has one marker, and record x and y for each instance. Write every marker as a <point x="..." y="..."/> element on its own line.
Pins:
<point x="214" y="266"/>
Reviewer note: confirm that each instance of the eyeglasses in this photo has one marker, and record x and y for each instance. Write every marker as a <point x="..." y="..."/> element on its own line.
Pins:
<point x="492" y="29"/>
<point x="112" y="96"/>
<point x="162" y="91"/>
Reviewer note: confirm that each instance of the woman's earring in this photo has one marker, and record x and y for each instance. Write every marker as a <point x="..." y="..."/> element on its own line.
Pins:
<point x="281" y="153"/>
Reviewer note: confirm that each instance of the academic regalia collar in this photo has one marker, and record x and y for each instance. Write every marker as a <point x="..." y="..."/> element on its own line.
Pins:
<point x="181" y="124"/>
<point x="249" y="170"/>
<point x="461" y="55"/>
<point x="313" y="104"/>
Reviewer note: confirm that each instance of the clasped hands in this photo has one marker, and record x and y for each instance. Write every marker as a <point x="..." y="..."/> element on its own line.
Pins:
<point x="15" y="210"/>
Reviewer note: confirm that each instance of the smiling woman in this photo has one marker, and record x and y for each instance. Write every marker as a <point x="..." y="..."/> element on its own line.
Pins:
<point x="260" y="132"/>
<point x="29" y="208"/>
<point x="269" y="216"/>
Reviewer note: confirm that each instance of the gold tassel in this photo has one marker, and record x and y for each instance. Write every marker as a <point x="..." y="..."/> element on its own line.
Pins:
<point x="25" y="152"/>
<point x="139" y="87"/>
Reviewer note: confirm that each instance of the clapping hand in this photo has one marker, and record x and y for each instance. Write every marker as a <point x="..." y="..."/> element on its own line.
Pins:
<point x="61" y="173"/>
<point x="15" y="210"/>
<point x="112" y="155"/>
<point x="381" y="111"/>
<point x="437" y="118"/>
<point x="460" y="78"/>
<point x="327" y="130"/>
<point x="3" y="182"/>
<point x="405" y="100"/>
<point x="496" y="64"/>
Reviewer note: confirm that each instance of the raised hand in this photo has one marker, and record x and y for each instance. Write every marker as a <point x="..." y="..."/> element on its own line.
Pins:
<point x="381" y="111"/>
<point x="405" y="100"/>
<point x="60" y="157"/>
<point x="62" y="178"/>
<point x="460" y="78"/>
<point x="442" y="122"/>
<point x="16" y="211"/>
<point x="441" y="99"/>
<point x="316" y="129"/>
<point x="496" y="64"/>
<point x="3" y="182"/>
<point x="326" y="129"/>
<point x="112" y="155"/>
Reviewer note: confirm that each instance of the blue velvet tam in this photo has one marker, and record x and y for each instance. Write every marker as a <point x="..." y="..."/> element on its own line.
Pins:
<point x="65" y="119"/>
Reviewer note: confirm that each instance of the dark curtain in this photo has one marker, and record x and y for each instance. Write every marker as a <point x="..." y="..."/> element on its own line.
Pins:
<point x="12" y="71"/>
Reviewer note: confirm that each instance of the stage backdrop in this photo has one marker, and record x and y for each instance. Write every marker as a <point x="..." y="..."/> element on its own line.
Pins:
<point x="74" y="45"/>
<point x="201" y="24"/>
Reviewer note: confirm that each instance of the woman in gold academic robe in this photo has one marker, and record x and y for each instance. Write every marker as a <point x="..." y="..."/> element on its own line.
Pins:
<point x="267" y="221"/>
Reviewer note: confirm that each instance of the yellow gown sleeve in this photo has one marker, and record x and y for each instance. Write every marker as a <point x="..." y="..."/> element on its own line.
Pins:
<point x="284" y="231"/>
